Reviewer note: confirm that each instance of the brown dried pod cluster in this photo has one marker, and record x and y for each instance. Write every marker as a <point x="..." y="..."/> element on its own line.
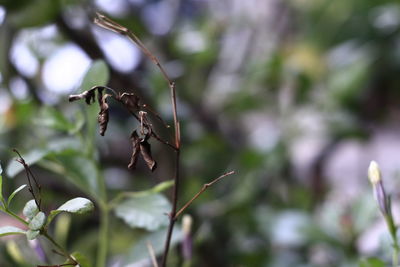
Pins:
<point x="142" y="146"/>
<point x="89" y="96"/>
<point x="131" y="103"/>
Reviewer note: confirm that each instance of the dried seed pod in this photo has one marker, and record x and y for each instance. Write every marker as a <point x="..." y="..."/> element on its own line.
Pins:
<point x="145" y="150"/>
<point x="88" y="95"/>
<point x="103" y="114"/>
<point x="135" y="151"/>
<point x="131" y="101"/>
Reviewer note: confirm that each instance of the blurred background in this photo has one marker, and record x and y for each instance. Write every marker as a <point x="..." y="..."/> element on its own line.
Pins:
<point x="296" y="96"/>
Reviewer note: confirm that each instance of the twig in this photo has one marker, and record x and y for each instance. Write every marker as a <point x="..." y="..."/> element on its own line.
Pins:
<point x="150" y="248"/>
<point x="204" y="188"/>
<point x="29" y="175"/>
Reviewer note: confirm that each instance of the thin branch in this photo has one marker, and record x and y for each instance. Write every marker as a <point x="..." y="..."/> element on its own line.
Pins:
<point x="204" y="188"/>
<point x="29" y="175"/>
<point x="150" y="248"/>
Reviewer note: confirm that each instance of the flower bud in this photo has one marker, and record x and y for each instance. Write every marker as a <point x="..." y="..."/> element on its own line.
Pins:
<point x="374" y="173"/>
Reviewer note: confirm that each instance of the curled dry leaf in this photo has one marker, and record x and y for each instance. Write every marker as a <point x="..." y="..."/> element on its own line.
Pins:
<point x="103" y="114"/>
<point x="135" y="152"/>
<point x="145" y="150"/>
<point x="141" y="145"/>
<point x="130" y="100"/>
<point x="88" y="95"/>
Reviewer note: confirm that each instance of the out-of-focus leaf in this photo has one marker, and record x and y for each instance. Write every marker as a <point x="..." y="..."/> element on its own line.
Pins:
<point x="30" y="158"/>
<point x="147" y="212"/>
<point x="36" y="13"/>
<point x="10" y="230"/>
<point x="52" y="147"/>
<point x="77" y="205"/>
<point x="79" y="170"/>
<point x="52" y="118"/>
<point x="81" y="259"/>
<point x="139" y="251"/>
<point x="372" y="262"/>
<point x="14" y="193"/>
<point x="31" y="209"/>
<point x="37" y="222"/>
<point x="32" y="234"/>
<point x="97" y="74"/>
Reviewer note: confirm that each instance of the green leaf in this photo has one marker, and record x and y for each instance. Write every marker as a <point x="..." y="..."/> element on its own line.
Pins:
<point x="52" y="118"/>
<point x="55" y="146"/>
<point x="138" y="252"/>
<point x="147" y="212"/>
<point x="10" y="230"/>
<point x="32" y="234"/>
<point x="372" y="262"/>
<point x="30" y="158"/>
<point x="14" y="193"/>
<point x="97" y="74"/>
<point x="35" y="13"/>
<point x="30" y="210"/>
<point x="81" y="259"/>
<point x="77" y="205"/>
<point x="37" y="222"/>
<point x="79" y="170"/>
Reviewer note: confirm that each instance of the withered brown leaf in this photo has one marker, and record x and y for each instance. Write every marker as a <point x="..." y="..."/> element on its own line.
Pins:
<point x="142" y="146"/>
<point x="88" y="95"/>
<point x="103" y="114"/>
<point x="135" y="151"/>
<point x="131" y="101"/>
<point x="145" y="150"/>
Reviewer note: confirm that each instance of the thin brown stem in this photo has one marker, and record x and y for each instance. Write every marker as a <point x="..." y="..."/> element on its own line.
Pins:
<point x="172" y="214"/>
<point x="204" y="188"/>
<point x="29" y="174"/>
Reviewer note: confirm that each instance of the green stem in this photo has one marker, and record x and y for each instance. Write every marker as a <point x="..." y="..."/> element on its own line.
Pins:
<point x="103" y="236"/>
<point x="59" y="247"/>
<point x="393" y="232"/>
<point x="9" y="212"/>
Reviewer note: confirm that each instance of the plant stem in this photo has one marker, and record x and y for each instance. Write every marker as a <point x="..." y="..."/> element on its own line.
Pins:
<point x="393" y="232"/>
<point x="9" y="212"/>
<point x="172" y="215"/>
<point x="103" y="236"/>
<point x="204" y="188"/>
<point x="60" y="248"/>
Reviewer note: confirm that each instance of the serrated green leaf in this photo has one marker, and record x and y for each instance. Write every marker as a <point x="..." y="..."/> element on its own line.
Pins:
<point x="14" y="193"/>
<point x="147" y="212"/>
<point x="97" y="74"/>
<point x="77" y="205"/>
<point x="10" y="230"/>
<point x="32" y="234"/>
<point x="37" y="222"/>
<point x="30" y="210"/>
